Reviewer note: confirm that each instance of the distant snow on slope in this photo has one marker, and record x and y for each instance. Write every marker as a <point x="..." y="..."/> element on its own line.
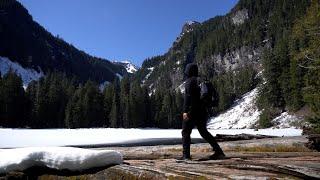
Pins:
<point x="191" y="22"/>
<point x="285" y="120"/>
<point x="59" y="158"/>
<point x="181" y="87"/>
<point x="131" y="68"/>
<point x="148" y="75"/>
<point x="240" y="17"/>
<point x="119" y="76"/>
<point x="26" y="74"/>
<point x="103" y="85"/>
<point x="243" y="114"/>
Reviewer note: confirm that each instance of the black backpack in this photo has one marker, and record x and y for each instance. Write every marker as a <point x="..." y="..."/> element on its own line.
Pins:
<point x="208" y="95"/>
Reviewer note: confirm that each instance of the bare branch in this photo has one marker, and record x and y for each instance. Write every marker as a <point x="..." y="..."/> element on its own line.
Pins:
<point x="309" y="67"/>
<point x="309" y="58"/>
<point x="312" y="29"/>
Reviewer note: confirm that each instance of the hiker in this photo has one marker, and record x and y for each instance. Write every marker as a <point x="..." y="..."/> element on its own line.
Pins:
<point x="195" y="114"/>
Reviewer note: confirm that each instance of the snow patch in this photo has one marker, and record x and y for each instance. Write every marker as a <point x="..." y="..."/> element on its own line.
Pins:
<point x="59" y="158"/>
<point x="152" y="91"/>
<point x="181" y="87"/>
<point x="240" y="17"/>
<point x="285" y="120"/>
<point x="191" y="22"/>
<point x="103" y="85"/>
<point x="119" y="76"/>
<point x="148" y="75"/>
<point x="130" y="68"/>
<point x="27" y="75"/>
<point x="243" y="114"/>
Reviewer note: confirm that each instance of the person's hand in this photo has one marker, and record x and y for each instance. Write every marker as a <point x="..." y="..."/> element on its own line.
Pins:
<point x="185" y="116"/>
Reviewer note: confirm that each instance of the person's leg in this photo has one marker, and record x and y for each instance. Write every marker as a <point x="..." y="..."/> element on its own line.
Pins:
<point x="187" y="127"/>
<point x="202" y="128"/>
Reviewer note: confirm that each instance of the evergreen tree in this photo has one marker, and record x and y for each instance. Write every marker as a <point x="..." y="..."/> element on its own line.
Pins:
<point x="93" y="115"/>
<point x="148" y="122"/>
<point x="305" y="52"/>
<point x="272" y="73"/>
<point x="107" y="103"/>
<point x="13" y="102"/>
<point x="156" y="104"/>
<point x="124" y="102"/>
<point x="166" y="113"/>
<point x="296" y="84"/>
<point x="138" y="114"/>
<point x="114" y="115"/>
<point x="74" y="110"/>
<point x="179" y="109"/>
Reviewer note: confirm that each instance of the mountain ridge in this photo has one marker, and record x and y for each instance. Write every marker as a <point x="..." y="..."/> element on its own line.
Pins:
<point x="223" y="43"/>
<point x="18" y="30"/>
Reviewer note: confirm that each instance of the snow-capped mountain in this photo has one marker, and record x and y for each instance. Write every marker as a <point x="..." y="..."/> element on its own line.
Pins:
<point x="131" y="68"/>
<point x="27" y="75"/>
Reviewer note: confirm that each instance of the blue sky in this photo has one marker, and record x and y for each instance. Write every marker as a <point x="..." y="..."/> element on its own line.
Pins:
<point x="122" y="29"/>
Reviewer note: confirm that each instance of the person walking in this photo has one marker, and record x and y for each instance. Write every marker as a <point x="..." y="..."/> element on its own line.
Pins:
<point x="195" y="114"/>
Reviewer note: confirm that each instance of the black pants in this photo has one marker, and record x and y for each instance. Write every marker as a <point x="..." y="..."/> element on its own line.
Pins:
<point x="201" y="124"/>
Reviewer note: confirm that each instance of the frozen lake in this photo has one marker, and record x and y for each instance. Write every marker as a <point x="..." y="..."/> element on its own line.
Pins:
<point x="12" y="138"/>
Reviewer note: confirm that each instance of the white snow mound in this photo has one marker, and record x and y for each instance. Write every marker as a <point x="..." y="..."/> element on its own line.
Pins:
<point x="59" y="158"/>
<point x="243" y="114"/>
<point x="27" y="75"/>
<point x="285" y="120"/>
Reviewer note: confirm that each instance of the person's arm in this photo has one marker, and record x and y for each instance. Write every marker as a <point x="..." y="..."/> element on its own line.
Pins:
<point x="187" y="101"/>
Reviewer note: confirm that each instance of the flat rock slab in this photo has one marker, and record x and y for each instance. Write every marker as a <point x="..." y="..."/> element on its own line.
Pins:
<point x="240" y="166"/>
<point x="304" y="165"/>
<point x="159" y="162"/>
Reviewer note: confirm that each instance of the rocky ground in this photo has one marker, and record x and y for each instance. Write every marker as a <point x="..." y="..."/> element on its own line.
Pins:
<point x="271" y="158"/>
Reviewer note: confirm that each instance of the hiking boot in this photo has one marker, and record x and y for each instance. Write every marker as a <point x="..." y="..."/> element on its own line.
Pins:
<point x="217" y="156"/>
<point x="185" y="158"/>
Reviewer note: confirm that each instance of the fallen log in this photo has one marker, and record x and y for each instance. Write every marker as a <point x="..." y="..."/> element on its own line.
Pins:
<point x="238" y="137"/>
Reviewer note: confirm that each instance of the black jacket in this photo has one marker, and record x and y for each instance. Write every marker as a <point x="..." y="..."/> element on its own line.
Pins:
<point x="192" y="103"/>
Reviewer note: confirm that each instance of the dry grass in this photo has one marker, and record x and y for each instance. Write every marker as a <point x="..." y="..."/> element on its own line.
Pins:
<point x="262" y="148"/>
<point x="276" y="148"/>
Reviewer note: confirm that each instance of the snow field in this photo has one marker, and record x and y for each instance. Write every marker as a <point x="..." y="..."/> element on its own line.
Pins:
<point x="13" y="138"/>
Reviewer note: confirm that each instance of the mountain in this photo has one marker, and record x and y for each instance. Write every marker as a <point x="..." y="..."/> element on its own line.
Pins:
<point x="272" y="38"/>
<point x="223" y="44"/>
<point x="28" y="44"/>
<point x="131" y="68"/>
<point x="262" y="57"/>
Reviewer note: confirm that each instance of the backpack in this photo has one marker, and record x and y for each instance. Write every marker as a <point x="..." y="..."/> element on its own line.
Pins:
<point x="208" y="95"/>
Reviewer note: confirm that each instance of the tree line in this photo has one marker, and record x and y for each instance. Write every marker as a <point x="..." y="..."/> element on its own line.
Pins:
<point x="57" y="101"/>
<point x="292" y="70"/>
